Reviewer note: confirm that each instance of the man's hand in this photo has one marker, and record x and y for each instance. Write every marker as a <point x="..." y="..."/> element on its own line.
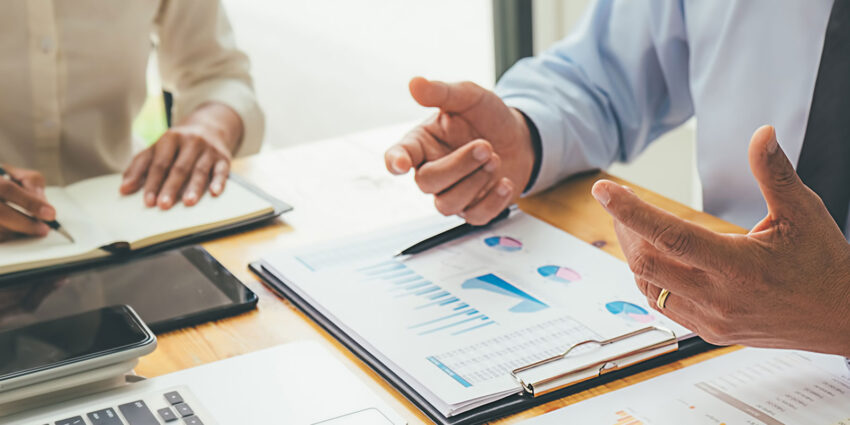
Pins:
<point x="26" y="192"/>
<point x="475" y="156"/>
<point x="786" y="284"/>
<point x="189" y="158"/>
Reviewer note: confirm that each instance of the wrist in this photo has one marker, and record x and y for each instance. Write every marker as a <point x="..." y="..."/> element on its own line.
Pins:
<point x="221" y="121"/>
<point x="530" y="150"/>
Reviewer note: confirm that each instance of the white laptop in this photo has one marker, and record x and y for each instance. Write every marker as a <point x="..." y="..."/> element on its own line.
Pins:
<point x="298" y="383"/>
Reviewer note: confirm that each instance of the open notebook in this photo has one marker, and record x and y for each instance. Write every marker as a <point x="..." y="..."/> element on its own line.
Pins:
<point x="97" y="216"/>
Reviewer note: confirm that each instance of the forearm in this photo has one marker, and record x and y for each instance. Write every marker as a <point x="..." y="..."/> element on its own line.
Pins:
<point x="201" y="65"/>
<point x="606" y="91"/>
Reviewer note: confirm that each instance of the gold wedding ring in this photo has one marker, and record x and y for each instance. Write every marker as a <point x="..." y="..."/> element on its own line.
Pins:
<point x="662" y="299"/>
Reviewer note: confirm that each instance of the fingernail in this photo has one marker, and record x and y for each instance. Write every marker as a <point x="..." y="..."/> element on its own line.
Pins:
<point x="165" y="201"/>
<point x="462" y="215"/>
<point x="601" y="194"/>
<point x="503" y="190"/>
<point x="43" y="229"/>
<point x="216" y="188"/>
<point x="490" y="166"/>
<point x="47" y="213"/>
<point x="628" y="189"/>
<point x="480" y="153"/>
<point x="150" y="199"/>
<point x="772" y="145"/>
<point x="190" y="197"/>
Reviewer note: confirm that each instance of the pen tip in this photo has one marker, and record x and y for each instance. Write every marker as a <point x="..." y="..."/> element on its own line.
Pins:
<point x="66" y="234"/>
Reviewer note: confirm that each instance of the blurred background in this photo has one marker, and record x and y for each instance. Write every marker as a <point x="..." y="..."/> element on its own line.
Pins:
<point x="325" y="68"/>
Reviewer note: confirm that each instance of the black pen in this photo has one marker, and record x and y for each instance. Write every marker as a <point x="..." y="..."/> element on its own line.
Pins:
<point x="450" y="235"/>
<point x="53" y="224"/>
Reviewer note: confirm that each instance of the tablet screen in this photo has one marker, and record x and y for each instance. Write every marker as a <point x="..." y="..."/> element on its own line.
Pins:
<point x="168" y="290"/>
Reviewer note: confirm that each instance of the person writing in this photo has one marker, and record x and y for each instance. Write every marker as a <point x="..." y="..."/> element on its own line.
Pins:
<point x="73" y="79"/>
<point x="636" y="69"/>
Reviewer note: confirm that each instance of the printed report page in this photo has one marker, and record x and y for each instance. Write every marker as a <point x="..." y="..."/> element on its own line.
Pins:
<point x="459" y="318"/>
<point x="747" y="387"/>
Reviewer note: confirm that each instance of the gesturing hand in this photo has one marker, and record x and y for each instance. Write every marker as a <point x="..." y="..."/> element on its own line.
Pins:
<point x="786" y="284"/>
<point x="475" y="155"/>
<point x="187" y="159"/>
<point x="26" y="192"/>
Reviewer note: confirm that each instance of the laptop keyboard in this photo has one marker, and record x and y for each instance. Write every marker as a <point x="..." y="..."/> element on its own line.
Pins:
<point x="174" y="407"/>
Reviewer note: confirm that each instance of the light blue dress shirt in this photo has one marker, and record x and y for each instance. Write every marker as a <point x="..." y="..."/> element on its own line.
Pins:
<point x="635" y="69"/>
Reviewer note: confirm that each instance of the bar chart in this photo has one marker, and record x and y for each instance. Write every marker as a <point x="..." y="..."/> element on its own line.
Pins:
<point x="446" y="312"/>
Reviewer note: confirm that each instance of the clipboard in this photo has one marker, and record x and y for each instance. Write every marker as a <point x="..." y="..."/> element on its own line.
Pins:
<point x="121" y="253"/>
<point x="525" y="398"/>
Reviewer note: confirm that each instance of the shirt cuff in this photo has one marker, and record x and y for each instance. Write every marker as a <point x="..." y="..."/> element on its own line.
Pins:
<point x="551" y="152"/>
<point x="237" y="96"/>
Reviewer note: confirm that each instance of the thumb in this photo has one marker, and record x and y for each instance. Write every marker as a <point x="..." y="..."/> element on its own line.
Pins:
<point x="780" y="185"/>
<point x="453" y="97"/>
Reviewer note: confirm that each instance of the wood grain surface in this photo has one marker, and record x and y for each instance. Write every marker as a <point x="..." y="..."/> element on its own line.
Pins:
<point x="568" y="206"/>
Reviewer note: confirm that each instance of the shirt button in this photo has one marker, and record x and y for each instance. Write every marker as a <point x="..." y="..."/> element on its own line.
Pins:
<point x="46" y="45"/>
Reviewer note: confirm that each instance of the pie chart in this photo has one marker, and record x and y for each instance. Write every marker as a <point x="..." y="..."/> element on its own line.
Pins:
<point x="503" y="243"/>
<point x="629" y="311"/>
<point x="559" y="274"/>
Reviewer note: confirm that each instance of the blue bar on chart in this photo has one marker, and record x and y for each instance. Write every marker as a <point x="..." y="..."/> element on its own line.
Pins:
<point x="450" y="315"/>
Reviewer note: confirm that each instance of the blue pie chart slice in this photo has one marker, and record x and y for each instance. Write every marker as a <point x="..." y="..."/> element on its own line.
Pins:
<point x="503" y="243"/>
<point x="559" y="274"/>
<point x="629" y="311"/>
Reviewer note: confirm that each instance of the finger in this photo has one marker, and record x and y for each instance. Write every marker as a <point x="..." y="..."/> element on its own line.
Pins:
<point x="496" y="200"/>
<point x="649" y="264"/>
<point x="7" y="235"/>
<point x="134" y="176"/>
<point x="15" y="221"/>
<point x="164" y="152"/>
<point x="408" y="153"/>
<point x="438" y="175"/>
<point x="458" y="197"/>
<point x="686" y="242"/>
<point x="178" y="174"/>
<point x="454" y="97"/>
<point x="200" y="179"/>
<point x="784" y="192"/>
<point x="34" y="205"/>
<point x="31" y="181"/>
<point x="221" y="171"/>
<point x="680" y="309"/>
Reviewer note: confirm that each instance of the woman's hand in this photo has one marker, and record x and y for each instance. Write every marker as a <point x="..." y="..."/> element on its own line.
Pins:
<point x="188" y="159"/>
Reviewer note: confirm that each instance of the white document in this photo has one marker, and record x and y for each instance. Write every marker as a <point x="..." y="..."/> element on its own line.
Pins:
<point x="747" y="387"/>
<point x="455" y="320"/>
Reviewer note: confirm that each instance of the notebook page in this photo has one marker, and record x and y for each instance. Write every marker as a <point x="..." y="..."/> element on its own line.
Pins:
<point x="26" y="253"/>
<point x="127" y="218"/>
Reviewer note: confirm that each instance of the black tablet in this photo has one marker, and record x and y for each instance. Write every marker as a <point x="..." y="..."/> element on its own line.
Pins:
<point x="169" y="290"/>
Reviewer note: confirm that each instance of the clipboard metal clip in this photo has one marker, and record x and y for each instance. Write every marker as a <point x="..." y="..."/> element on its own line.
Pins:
<point x="597" y="367"/>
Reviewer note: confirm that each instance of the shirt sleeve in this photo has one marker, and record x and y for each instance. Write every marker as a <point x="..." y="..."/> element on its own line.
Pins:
<point x="617" y="83"/>
<point x="199" y="63"/>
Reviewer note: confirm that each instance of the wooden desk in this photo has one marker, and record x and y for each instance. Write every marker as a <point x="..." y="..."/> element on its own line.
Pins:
<point x="568" y="206"/>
